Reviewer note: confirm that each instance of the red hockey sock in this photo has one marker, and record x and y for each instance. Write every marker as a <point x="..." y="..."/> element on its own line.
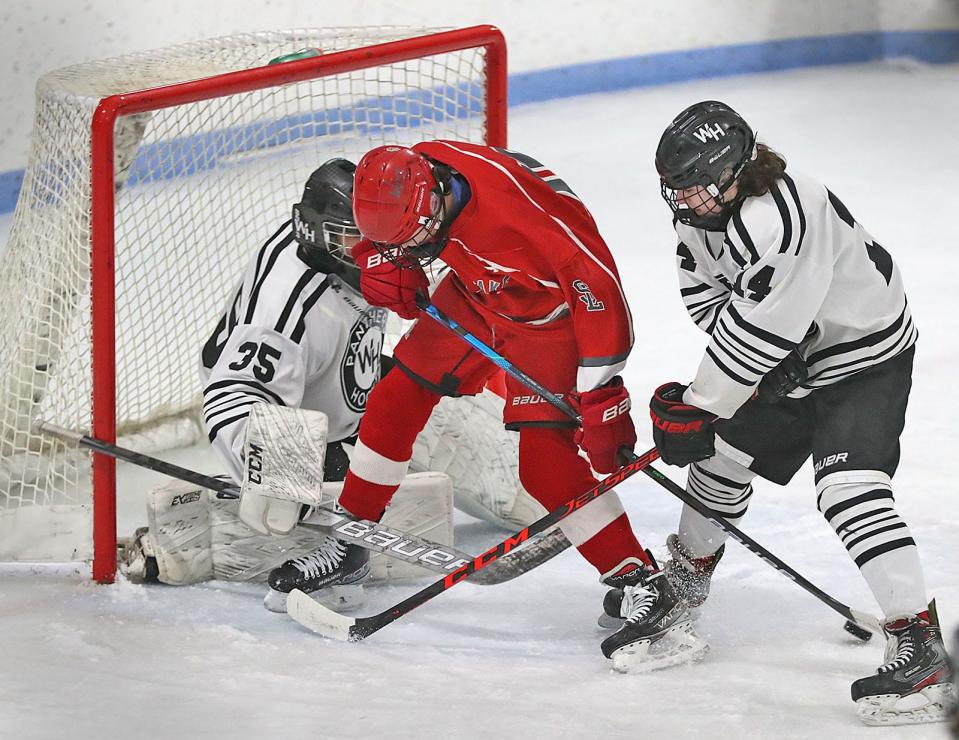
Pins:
<point x="396" y="411"/>
<point x="552" y="471"/>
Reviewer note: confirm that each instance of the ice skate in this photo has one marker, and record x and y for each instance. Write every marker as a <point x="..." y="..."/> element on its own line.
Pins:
<point x="657" y="631"/>
<point x="916" y="684"/>
<point x="690" y="576"/>
<point x="335" y="568"/>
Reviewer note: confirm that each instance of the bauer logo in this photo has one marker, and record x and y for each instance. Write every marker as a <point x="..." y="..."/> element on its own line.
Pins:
<point x="361" y="363"/>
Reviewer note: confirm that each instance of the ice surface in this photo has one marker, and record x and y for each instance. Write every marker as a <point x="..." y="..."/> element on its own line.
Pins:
<point x="82" y="661"/>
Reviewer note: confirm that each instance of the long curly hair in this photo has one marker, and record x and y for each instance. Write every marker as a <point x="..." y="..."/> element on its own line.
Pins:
<point x="759" y="175"/>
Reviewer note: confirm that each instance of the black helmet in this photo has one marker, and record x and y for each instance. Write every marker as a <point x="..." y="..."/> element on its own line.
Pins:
<point x="323" y="219"/>
<point x="706" y="145"/>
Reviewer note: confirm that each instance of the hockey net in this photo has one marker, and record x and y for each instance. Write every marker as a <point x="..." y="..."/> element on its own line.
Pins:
<point x="152" y="177"/>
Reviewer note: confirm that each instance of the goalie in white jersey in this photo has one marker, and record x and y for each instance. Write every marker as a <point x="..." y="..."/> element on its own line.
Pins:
<point x="297" y="333"/>
<point x="795" y="293"/>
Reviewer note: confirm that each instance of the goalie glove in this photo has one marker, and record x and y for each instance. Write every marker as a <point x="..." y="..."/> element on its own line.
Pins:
<point x="683" y="434"/>
<point x="385" y="284"/>
<point x="607" y="425"/>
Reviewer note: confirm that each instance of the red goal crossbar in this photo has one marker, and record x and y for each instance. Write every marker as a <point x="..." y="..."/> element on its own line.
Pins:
<point x="102" y="273"/>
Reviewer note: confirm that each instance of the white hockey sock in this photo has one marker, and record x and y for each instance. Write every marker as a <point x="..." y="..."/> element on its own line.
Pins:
<point x="859" y="506"/>
<point x="724" y="487"/>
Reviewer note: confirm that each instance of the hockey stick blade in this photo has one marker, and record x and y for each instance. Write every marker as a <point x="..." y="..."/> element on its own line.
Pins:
<point x="318" y="619"/>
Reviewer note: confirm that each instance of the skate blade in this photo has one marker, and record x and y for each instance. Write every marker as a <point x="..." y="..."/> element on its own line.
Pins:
<point x="337" y="598"/>
<point x="677" y="645"/>
<point x="931" y="704"/>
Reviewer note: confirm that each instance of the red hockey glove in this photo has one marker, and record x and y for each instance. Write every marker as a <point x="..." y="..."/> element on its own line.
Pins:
<point x="384" y="284"/>
<point x="607" y="425"/>
<point x="683" y="434"/>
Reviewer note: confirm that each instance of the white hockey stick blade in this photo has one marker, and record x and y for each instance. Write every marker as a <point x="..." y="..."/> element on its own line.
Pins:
<point x="868" y="621"/>
<point x="317" y="618"/>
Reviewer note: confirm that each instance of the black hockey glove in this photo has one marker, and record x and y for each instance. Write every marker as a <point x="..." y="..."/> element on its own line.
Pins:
<point x="683" y="434"/>
<point x="783" y="379"/>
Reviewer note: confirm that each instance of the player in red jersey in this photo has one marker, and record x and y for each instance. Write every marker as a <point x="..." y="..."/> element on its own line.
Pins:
<point x="531" y="276"/>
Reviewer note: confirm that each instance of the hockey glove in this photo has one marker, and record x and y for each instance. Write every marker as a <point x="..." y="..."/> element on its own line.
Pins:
<point x="683" y="434"/>
<point x="607" y="425"/>
<point x="384" y="284"/>
<point x="783" y="379"/>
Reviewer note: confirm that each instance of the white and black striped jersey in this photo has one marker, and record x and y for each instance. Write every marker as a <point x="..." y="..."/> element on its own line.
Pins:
<point x="792" y="268"/>
<point x="293" y="336"/>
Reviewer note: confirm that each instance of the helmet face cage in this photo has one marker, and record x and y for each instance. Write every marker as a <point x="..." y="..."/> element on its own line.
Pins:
<point x="699" y="157"/>
<point x="323" y="219"/>
<point x="318" y="231"/>
<point x="422" y="254"/>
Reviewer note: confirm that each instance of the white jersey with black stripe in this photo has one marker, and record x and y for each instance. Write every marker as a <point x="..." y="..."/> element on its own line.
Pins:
<point x="293" y="336"/>
<point x="793" y="268"/>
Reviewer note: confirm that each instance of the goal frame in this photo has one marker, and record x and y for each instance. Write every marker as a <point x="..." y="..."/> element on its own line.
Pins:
<point x="102" y="210"/>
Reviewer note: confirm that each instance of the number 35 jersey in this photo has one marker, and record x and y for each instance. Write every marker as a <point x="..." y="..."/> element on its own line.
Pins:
<point x="793" y="268"/>
<point x="292" y="336"/>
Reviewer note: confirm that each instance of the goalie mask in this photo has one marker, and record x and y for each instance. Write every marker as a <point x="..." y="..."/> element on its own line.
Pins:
<point x="399" y="204"/>
<point x="323" y="220"/>
<point x="699" y="157"/>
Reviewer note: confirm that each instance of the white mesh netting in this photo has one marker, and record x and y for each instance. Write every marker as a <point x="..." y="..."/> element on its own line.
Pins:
<point x="199" y="187"/>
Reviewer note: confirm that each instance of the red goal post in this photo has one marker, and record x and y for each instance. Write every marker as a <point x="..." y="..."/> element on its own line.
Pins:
<point x="340" y="102"/>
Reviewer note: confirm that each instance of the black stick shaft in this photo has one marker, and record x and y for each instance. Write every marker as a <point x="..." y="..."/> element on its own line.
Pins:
<point x="229" y="490"/>
<point x="748" y="542"/>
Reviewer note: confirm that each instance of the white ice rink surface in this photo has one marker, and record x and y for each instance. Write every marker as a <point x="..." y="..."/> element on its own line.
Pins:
<point x="522" y="659"/>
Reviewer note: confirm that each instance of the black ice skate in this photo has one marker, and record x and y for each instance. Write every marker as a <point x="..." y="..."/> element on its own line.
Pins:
<point x="917" y="684"/>
<point x="657" y="631"/>
<point x="335" y="567"/>
<point x="690" y="576"/>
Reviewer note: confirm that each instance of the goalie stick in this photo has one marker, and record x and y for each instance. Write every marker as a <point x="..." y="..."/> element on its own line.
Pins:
<point x="859" y="624"/>
<point x="369" y="535"/>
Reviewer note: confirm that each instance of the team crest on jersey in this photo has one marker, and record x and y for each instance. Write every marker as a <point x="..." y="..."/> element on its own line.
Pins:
<point x="587" y="297"/>
<point x="361" y="363"/>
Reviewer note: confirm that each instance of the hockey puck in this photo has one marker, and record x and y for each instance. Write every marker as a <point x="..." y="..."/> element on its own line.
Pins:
<point x="856" y="631"/>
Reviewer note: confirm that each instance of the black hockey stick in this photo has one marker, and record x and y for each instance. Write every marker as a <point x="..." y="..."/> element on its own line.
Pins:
<point x="369" y="535"/>
<point x="858" y="624"/>
<point x="328" y="623"/>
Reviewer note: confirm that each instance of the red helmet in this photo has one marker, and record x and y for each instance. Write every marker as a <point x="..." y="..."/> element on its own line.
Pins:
<point x="395" y="194"/>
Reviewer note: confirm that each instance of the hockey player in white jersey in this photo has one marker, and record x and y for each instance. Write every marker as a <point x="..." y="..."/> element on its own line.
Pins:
<point x="297" y="333"/>
<point x="793" y="292"/>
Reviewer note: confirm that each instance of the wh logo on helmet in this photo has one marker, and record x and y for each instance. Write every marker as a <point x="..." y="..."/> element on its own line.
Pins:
<point x="714" y="132"/>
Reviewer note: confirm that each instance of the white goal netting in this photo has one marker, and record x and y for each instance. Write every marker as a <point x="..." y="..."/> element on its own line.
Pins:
<point x="199" y="186"/>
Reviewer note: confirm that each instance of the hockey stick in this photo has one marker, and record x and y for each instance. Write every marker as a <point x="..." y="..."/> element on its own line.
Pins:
<point x="858" y="624"/>
<point x="328" y="623"/>
<point x="369" y="535"/>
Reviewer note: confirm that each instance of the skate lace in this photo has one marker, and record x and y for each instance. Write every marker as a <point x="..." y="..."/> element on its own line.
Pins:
<point x="637" y="602"/>
<point x="904" y="652"/>
<point x="321" y="561"/>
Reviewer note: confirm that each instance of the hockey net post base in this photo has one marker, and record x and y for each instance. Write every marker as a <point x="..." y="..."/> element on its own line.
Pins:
<point x="151" y="178"/>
